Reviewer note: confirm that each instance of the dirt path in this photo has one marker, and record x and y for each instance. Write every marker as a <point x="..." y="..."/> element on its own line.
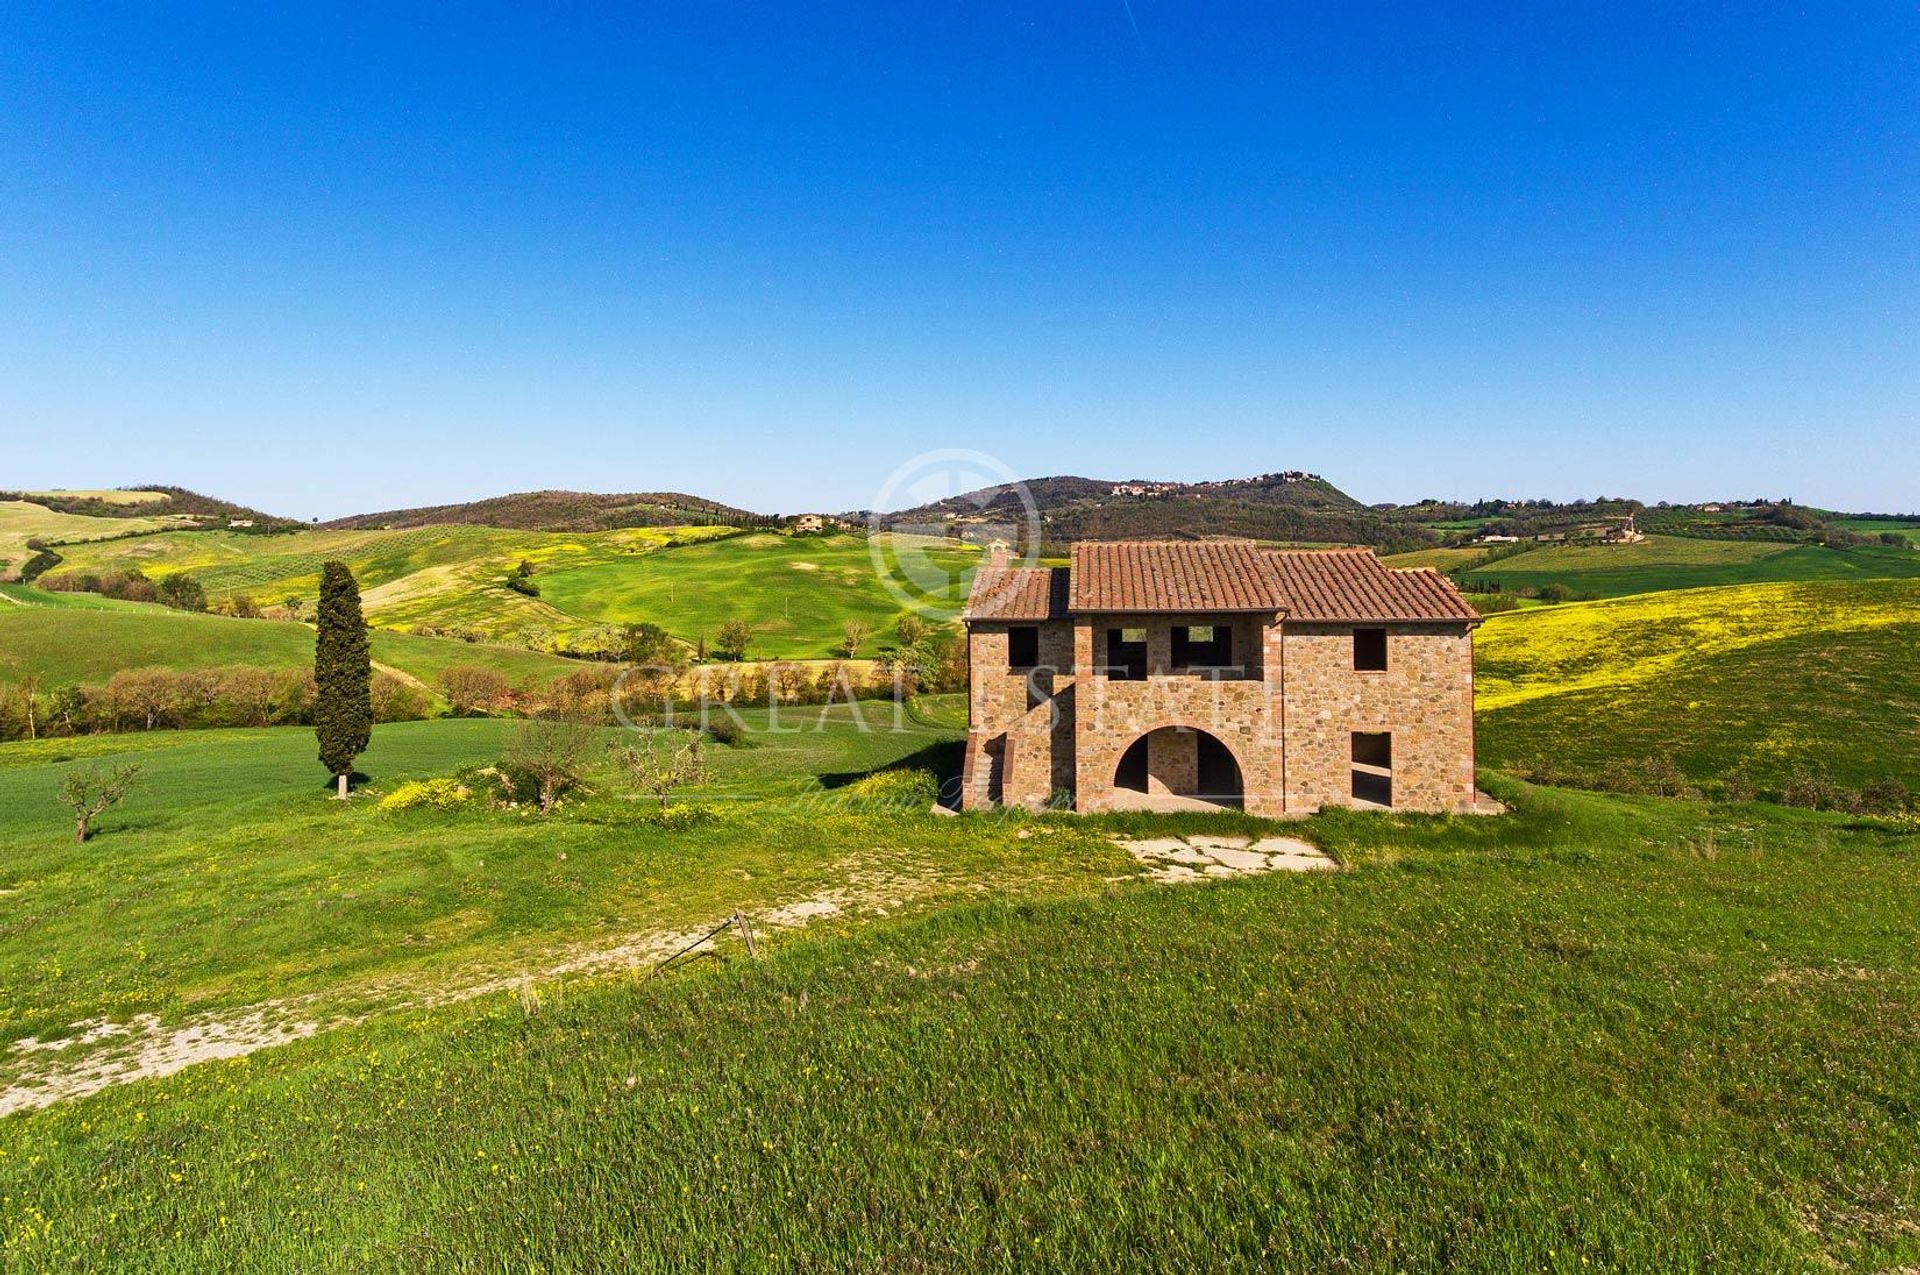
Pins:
<point x="402" y="675"/>
<point x="143" y="1048"/>
<point x="102" y="1054"/>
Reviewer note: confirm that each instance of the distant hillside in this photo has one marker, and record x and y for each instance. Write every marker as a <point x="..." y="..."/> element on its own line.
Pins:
<point x="147" y="501"/>
<point x="562" y="511"/>
<point x="1740" y="686"/>
<point x="1279" y="506"/>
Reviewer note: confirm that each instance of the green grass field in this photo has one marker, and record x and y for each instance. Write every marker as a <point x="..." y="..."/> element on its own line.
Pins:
<point x="797" y="592"/>
<point x="21" y="521"/>
<point x="104" y="495"/>
<point x="230" y="877"/>
<point x="1601" y="1033"/>
<point x="1749" y="680"/>
<point x="1906" y="527"/>
<point x="84" y="639"/>
<point x="1438" y="559"/>
<point x="27" y="595"/>
<point x="1673" y="562"/>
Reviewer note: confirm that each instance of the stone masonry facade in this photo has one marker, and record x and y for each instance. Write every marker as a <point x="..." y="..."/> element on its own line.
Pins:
<point x="1079" y="695"/>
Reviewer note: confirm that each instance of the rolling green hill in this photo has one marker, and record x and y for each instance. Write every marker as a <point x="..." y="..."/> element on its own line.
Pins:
<point x="1906" y="528"/>
<point x="560" y="511"/>
<point x="71" y="644"/>
<point x="1751" y="682"/>
<point x="22" y="520"/>
<point x="796" y="591"/>
<point x="1675" y="562"/>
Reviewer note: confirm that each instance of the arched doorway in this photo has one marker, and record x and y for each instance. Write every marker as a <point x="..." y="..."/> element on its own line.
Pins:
<point x="1178" y="768"/>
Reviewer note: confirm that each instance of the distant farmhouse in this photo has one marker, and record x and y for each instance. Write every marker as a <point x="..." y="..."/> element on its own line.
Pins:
<point x="1175" y="675"/>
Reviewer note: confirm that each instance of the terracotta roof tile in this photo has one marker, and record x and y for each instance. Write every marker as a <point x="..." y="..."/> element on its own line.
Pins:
<point x="1217" y="575"/>
<point x="1181" y="575"/>
<point x="1018" y="593"/>
<point x="1352" y="584"/>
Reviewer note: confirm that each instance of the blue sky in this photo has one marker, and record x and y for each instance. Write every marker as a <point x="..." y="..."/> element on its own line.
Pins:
<point x="347" y="260"/>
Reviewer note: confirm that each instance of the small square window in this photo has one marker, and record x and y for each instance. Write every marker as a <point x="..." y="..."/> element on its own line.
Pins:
<point x="1370" y="650"/>
<point x="1023" y="646"/>
<point x="1133" y="635"/>
<point x="1373" y="748"/>
<point x="1202" y="646"/>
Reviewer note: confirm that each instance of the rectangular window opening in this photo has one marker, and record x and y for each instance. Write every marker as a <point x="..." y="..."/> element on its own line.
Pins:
<point x="1373" y="767"/>
<point x="1202" y="646"/>
<point x="1127" y="654"/>
<point x="1370" y="650"/>
<point x="1023" y="646"/>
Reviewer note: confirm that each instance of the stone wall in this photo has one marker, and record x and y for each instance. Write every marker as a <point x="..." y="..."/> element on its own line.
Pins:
<point x="1021" y="724"/>
<point x="1110" y="714"/>
<point x="1424" y="699"/>
<point x="1290" y="730"/>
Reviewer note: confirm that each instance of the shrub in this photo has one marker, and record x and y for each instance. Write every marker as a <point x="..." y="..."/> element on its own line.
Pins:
<point x="681" y="816"/>
<point x="903" y="789"/>
<point x="434" y="794"/>
<point x="473" y="690"/>
<point x="1808" y="790"/>
<point x="181" y="592"/>
<point x="39" y="564"/>
<point x="1885" y="796"/>
<point x="395" y="700"/>
<point x="551" y="752"/>
<point x="724" y="728"/>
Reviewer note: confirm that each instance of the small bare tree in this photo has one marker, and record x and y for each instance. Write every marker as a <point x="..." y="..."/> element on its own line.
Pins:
<point x="659" y="761"/>
<point x="473" y="690"/>
<point x="93" y="791"/>
<point x="550" y="751"/>
<point x="30" y="693"/>
<point x="852" y="634"/>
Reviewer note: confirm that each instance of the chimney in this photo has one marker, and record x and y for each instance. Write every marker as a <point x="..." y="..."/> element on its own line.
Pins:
<point x="998" y="553"/>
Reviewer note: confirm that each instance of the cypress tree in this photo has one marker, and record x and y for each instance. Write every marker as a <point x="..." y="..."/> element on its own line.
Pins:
<point x="342" y="674"/>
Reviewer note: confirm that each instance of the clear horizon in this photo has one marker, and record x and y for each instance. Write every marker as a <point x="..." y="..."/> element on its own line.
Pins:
<point x="331" y="263"/>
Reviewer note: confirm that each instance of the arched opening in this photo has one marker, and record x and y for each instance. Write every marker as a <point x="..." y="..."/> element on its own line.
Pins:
<point x="1177" y="768"/>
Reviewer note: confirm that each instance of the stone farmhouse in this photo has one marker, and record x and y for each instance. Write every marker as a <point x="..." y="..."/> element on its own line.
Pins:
<point x="1171" y="675"/>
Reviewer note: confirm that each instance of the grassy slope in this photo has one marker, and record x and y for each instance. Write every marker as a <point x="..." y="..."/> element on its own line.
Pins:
<point x="1672" y="562"/>
<point x="796" y="591"/>
<point x="27" y="595"/>
<point x="1750" y="679"/>
<point x="1908" y="528"/>
<point x="229" y="876"/>
<point x="1600" y="1034"/>
<point x="21" y="521"/>
<point x="111" y="497"/>
<point x="1439" y="559"/>
<point x="67" y="644"/>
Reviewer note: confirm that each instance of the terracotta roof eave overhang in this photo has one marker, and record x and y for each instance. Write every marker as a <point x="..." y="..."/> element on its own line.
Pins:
<point x="1194" y="610"/>
<point x="1472" y="622"/>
